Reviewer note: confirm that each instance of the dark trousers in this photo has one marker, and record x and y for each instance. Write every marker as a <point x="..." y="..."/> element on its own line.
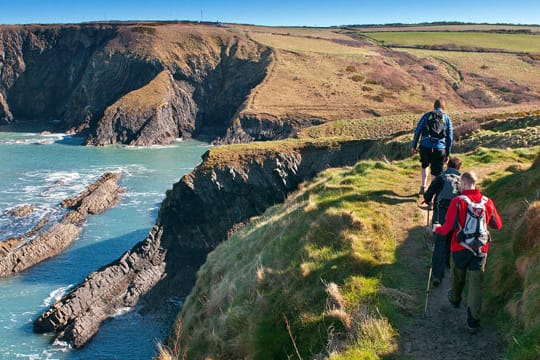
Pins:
<point x="440" y="258"/>
<point x="466" y="264"/>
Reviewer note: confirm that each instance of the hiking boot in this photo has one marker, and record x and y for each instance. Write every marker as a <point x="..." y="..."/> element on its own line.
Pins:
<point x="473" y="325"/>
<point x="454" y="304"/>
<point x="436" y="282"/>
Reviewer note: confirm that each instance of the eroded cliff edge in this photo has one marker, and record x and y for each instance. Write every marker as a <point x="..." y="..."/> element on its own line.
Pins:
<point x="128" y="83"/>
<point x="232" y="185"/>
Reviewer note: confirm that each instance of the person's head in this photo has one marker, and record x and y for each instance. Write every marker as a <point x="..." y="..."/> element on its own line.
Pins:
<point x="468" y="180"/>
<point x="439" y="104"/>
<point x="454" y="163"/>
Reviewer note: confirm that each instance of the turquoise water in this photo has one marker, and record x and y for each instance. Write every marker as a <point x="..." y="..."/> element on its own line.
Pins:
<point x="43" y="170"/>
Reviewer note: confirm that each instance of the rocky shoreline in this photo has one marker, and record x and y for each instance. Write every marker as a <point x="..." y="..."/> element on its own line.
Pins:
<point x="201" y="211"/>
<point x="22" y="252"/>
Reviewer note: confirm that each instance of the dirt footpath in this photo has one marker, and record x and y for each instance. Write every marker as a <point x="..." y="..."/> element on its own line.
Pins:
<point x="442" y="333"/>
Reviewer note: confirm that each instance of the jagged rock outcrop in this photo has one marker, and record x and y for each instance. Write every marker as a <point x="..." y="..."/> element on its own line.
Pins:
<point x="20" y="253"/>
<point x="78" y="316"/>
<point x="22" y="210"/>
<point x="99" y="196"/>
<point x="201" y="210"/>
<point x="127" y="83"/>
<point x="263" y="127"/>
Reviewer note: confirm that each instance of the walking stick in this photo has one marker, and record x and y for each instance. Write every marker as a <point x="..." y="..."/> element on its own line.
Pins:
<point x="427" y="288"/>
<point x="430" y="266"/>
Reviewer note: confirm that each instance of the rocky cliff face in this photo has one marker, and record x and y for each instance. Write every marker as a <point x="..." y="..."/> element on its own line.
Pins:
<point x="130" y="84"/>
<point x="201" y="210"/>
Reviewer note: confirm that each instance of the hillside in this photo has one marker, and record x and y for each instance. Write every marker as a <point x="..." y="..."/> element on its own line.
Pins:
<point x="311" y="265"/>
<point x="151" y="83"/>
<point x="339" y="270"/>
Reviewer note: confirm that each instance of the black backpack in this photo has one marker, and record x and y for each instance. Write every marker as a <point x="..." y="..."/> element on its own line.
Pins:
<point x="450" y="188"/>
<point x="435" y="125"/>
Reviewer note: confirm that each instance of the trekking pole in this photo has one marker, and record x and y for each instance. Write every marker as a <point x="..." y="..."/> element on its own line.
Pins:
<point x="427" y="288"/>
<point x="430" y="272"/>
<point x="429" y="279"/>
<point x="430" y="264"/>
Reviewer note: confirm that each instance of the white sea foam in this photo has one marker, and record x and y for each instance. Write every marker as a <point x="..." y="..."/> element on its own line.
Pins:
<point x="61" y="177"/>
<point x="63" y="345"/>
<point x="28" y="356"/>
<point x="56" y="295"/>
<point x="123" y="311"/>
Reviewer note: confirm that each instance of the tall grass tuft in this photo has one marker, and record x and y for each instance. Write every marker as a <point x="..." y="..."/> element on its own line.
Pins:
<point x="513" y="283"/>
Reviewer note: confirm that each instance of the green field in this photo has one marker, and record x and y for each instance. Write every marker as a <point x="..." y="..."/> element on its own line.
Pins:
<point x="508" y="42"/>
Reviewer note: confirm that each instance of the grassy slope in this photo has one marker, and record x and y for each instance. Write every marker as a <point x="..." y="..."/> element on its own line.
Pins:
<point x="326" y="274"/>
<point x="511" y="42"/>
<point x="327" y="74"/>
<point x="514" y="280"/>
<point x="446" y="27"/>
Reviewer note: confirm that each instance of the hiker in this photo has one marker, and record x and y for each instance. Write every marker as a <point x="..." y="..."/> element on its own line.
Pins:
<point x="436" y="130"/>
<point x="469" y="244"/>
<point x="444" y="188"/>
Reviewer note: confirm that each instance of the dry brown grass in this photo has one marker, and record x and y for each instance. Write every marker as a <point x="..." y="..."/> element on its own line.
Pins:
<point x="319" y="75"/>
<point x="151" y="96"/>
<point x="468" y="27"/>
<point x="504" y="67"/>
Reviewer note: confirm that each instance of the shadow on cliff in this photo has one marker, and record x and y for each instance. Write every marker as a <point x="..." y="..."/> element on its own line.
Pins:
<point x="383" y="196"/>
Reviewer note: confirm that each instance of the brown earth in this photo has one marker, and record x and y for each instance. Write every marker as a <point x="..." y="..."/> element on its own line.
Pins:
<point x="150" y="83"/>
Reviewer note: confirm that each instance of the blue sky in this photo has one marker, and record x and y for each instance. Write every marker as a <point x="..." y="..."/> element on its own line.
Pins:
<point x="273" y="13"/>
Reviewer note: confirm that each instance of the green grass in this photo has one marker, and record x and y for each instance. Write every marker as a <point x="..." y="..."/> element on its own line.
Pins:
<point x="513" y="290"/>
<point x="322" y="264"/>
<point x="365" y="128"/>
<point x="327" y="272"/>
<point x="508" y="42"/>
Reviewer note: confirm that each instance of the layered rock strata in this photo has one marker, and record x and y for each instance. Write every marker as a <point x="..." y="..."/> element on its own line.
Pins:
<point x="128" y="83"/>
<point x="20" y="253"/>
<point x="201" y="211"/>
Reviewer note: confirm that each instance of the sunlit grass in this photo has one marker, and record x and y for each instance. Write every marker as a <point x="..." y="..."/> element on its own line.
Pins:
<point x="512" y="42"/>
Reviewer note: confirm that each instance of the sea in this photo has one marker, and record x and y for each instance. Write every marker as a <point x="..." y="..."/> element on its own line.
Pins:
<point x="42" y="170"/>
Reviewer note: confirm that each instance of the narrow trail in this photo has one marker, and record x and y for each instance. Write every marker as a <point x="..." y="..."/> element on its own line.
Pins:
<point x="442" y="333"/>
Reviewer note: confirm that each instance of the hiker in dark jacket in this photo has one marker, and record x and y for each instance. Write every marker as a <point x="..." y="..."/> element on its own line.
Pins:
<point x="444" y="188"/>
<point x="436" y="144"/>
<point x="467" y="260"/>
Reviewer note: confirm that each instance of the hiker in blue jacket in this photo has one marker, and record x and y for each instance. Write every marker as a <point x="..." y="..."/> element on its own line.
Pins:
<point x="436" y="130"/>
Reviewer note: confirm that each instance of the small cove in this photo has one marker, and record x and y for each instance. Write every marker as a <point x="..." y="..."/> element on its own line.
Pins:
<point x="43" y="170"/>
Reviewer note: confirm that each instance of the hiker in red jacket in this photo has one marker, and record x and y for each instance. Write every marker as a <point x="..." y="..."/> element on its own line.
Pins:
<point x="469" y="255"/>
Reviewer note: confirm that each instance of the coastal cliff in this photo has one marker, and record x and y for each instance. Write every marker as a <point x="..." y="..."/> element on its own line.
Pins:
<point x="232" y="185"/>
<point x="144" y="83"/>
<point x="127" y="83"/>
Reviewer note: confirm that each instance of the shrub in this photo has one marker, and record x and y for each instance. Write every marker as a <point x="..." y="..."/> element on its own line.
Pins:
<point x="351" y="68"/>
<point x="465" y="129"/>
<point x="357" y="78"/>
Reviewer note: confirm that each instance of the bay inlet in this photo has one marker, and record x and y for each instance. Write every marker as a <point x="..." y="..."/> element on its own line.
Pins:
<point x="42" y="170"/>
